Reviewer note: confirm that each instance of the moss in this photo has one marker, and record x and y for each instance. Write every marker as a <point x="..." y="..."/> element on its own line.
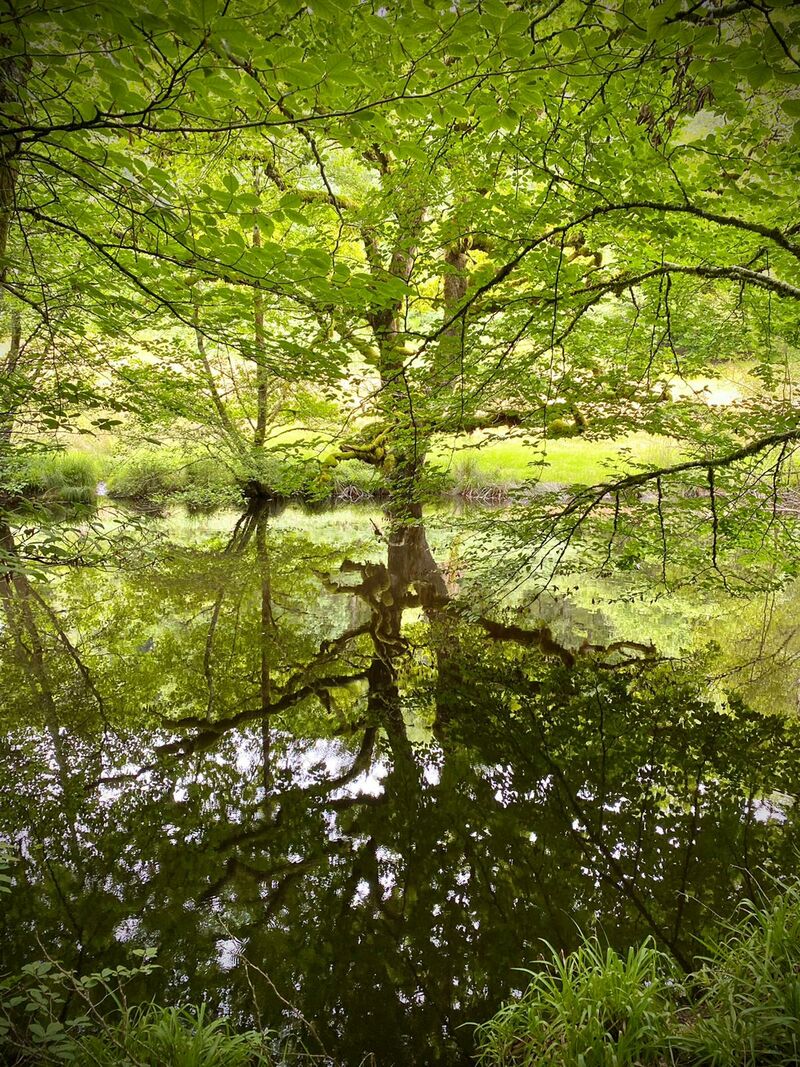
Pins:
<point x="562" y="428"/>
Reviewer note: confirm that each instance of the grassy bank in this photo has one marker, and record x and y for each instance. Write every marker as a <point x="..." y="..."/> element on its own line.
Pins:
<point x="494" y="460"/>
<point x="71" y="476"/>
<point x="172" y="474"/>
<point x="487" y="465"/>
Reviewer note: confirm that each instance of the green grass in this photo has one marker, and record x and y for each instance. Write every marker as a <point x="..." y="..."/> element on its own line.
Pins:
<point x="593" y="1008"/>
<point x="143" y="1036"/>
<point x="490" y="462"/>
<point x="746" y="996"/>
<point x="65" y="476"/>
<point x="483" y="464"/>
<point x="597" y="1008"/>
<point x="171" y="1037"/>
<point x="493" y="458"/>
<point x="166" y="473"/>
<point x="147" y="473"/>
<point x="203" y="481"/>
<point x="730" y="382"/>
<point x="352" y="480"/>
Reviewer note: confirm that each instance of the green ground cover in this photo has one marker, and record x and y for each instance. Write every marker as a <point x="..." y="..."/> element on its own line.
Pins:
<point x="599" y="1008"/>
<point x="494" y="458"/>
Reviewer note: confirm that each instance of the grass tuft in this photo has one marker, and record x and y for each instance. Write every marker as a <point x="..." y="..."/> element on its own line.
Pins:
<point x="746" y="996"/>
<point x="71" y="476"/>
<point x="593" y="1008"/>
<point x="179" y="1037"/>
<point x="596" y="1008"/>
<point x="148" y="473"/>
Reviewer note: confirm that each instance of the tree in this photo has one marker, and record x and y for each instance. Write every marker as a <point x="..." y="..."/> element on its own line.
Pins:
<point x="490" y="215"/>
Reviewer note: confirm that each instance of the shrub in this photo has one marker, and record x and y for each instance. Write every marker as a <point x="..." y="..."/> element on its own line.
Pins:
<point x="276" y="474"/>
<point x="148" y="474"/>
<point x="292" y="476"/>
<point x="204" y="481"/>
<point x="157" y="474"/>
<point x="209" y="483"/>
<point x="143" y="1036"/>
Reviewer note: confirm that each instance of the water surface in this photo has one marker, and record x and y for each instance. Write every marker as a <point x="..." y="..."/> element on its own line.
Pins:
<point x="310" y="770"/>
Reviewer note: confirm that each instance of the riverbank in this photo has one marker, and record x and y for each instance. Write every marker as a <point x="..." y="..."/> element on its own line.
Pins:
<point x="487" y="467"/>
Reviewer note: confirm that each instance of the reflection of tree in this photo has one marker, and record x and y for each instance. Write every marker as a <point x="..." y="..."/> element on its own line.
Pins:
<point x="19" y="613"/>
<point x="388" y="809"/>
<point x="42" y="661"/>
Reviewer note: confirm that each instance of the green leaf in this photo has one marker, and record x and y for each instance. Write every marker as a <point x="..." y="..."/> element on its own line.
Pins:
<point x="759" y="75"/>
<point x="570" y="40"/>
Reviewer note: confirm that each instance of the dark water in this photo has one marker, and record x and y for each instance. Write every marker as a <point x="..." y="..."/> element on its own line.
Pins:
<point x="276" y="751"/>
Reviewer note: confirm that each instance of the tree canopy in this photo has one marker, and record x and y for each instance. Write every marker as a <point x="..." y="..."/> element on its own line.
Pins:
<point x="409" y="220"/>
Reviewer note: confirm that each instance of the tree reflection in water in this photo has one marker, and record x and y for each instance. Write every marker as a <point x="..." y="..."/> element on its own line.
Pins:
<point x="262" y="748"/>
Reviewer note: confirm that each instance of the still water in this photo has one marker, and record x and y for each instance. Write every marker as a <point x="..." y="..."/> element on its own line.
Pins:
<point x="338" y="795"/>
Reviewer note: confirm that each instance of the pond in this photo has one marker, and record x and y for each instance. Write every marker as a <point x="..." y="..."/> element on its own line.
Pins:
<point x="339" y="794"/>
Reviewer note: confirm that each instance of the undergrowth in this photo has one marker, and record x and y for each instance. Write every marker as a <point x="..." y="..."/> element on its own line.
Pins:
<point x="180" y="1037"/>
<point x="597" y="1008"/>
<point x="50" y="1015"/>
<point x="204" y="481"/>
<point x="487" y="467"/>
<point x="593" y="1008"/>
<point x="162" y="474"/>
<point x="69" y="476"/>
